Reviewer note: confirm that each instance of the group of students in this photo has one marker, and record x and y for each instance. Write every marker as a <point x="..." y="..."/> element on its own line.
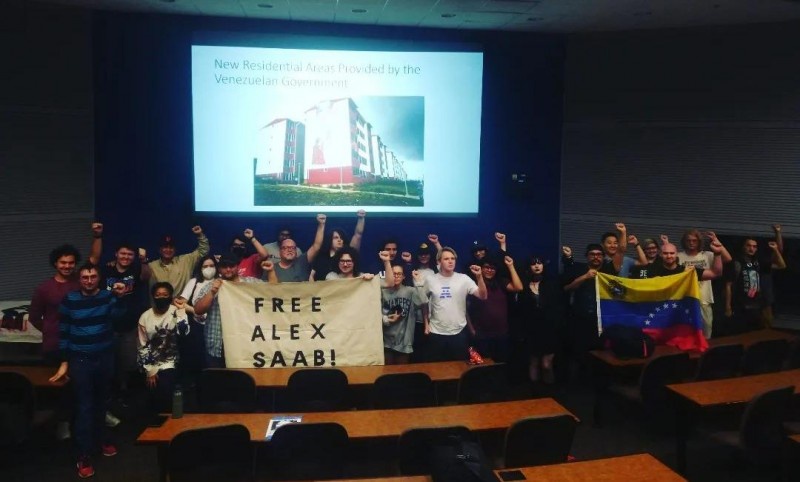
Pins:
<point x="100" y="322"/>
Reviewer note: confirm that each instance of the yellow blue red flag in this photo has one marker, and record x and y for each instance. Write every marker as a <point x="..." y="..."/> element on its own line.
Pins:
<point x="667" y="308"/>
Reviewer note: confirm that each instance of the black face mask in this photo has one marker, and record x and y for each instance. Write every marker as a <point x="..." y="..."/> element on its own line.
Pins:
<point x="239" y="250"/>
<point x="162" y="304"/>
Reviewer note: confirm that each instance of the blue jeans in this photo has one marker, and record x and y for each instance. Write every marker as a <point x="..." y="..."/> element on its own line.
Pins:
<point x="92" y="376"/>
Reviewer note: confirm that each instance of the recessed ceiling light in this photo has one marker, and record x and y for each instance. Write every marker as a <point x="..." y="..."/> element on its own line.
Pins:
<point x="359" y="10"/>
<point x="264" y="5"/>
<point x="448" y="15"/>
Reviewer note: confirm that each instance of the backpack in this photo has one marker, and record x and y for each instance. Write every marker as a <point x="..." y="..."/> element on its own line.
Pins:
<point x="628" y="341"/>
<point x="460" y="460"/>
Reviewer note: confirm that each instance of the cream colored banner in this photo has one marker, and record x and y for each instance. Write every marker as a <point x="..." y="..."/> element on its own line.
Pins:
<point x="325" y="323"/>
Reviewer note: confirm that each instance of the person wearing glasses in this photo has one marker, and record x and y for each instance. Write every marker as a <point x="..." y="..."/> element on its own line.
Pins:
<point x="274" y="248"/>
<point x="337" y="240"/>
<point x="293" y="267"/>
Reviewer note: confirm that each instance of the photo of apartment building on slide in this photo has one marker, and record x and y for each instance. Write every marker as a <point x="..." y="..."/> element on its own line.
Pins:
<point x="336" y="154"/>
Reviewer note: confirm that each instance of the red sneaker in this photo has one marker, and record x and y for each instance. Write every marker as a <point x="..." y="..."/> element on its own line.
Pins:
<point x="109" y="450"/>
<point x="85" y="468"/>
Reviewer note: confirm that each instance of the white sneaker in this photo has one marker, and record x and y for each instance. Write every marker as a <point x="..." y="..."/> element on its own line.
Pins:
<point x="62" y="431"/>
<point x="111" y="420"/>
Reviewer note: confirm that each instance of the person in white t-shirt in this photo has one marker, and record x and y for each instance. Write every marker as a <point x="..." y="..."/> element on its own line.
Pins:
<point x="445" y="325"/>
<point x="694" y="255"/>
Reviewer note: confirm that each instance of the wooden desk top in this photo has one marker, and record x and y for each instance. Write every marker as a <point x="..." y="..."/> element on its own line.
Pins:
<point x="607" y="357"/>
<point x="38" y="375"/>
<point x="372" y="423"/>
<point x="735" y="390"/>
<point x="365" y="375"/>
<point x="628" y="468"/>
<point x="795" y="438"/>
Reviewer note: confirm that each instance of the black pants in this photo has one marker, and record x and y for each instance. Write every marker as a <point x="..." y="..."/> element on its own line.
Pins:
<point x="448" y="347"/>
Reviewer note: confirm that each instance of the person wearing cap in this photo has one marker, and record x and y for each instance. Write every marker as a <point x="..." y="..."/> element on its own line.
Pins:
<point x="208" y="305"/>
<point x="293" y="267"/>
<point x="425" y="256"/>
<point x="446" y="322"/>
<point x="177" y="269"/>
<point x="480" y="251"/>
<point x="488" y="318"/>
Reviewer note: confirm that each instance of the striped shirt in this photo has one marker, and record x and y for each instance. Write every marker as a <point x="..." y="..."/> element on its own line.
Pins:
<point x="86" y="323"/>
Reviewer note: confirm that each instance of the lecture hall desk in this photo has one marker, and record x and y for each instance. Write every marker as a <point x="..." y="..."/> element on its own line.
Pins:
<point x="694" y="397"/>
<point x="364" y="424"/>
<point x="628" y="468"/>
<point x="608" y="367"/>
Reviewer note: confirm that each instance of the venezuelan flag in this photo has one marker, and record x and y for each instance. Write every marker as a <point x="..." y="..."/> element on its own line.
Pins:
<point x="667" y="308"/>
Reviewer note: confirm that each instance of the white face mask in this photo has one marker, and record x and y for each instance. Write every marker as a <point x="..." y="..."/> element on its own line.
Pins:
<point x="209" y="272"/>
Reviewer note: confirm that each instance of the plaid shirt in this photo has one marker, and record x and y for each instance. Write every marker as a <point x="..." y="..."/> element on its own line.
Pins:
<point x="213" y="327"/>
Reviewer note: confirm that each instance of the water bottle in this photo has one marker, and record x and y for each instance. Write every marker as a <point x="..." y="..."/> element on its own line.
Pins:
<point x="177" y="402"/>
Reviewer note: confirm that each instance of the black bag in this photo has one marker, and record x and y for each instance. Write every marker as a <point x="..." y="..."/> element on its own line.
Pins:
<point x="628" y="341"/>
<point x="460" y="460"/>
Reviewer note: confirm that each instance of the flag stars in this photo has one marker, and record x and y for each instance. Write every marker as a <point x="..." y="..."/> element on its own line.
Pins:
<point x="666" y="305"/>
<point x="658" y="308"/>
<point x="674" y="305"/>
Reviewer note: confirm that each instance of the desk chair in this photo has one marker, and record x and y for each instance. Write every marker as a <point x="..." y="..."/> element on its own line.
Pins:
<point x="656" y="374"/>
<point x="18" y="413"/>
<point x="761" y="435"/>
<point x="316" y="390"/>
<point x="414" y="446"/>
<point x="722" y="361"/>
<point x="403" y="390"/>
<point x="765" y="356"/>
<point x="226" y="391"/>
<point x="211" y="454"/>
<point x="302" y="451"/>
<point x="539" y="441"/>
<point x="484" y="384"/>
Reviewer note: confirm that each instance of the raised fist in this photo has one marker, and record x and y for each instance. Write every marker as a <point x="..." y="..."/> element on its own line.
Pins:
<point x="97" y="230"/>
<point x="433" y="238"/>
<point x="664" y="238"/>
<point x="633" y="240"/>
<point x="500" y="237"/>
<point x="118" y="288"/>
<point x="777" y="228"/>
<point x="475" y="269"/>
<point x="418" y="277"/>
<point x="508" y="261"/>
<point x="197" y="230"/>
<point x="384" y="256"/>
<point x="248" y="233"/>
<point x="406" y="256"/>
<point x="566" y="251"/>
<point x="772" y="245"/>
<point x="620" y="227"/>
<point x="321" y="218"/>
<point x="142" y="253"/>
<point x="361" y="213"/>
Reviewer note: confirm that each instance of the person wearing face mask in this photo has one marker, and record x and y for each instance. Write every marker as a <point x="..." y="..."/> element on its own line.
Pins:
<point x="159" y="330"/>
<point x="249" y="265"/>
<point x="192" y="346"/>
<point x="538" y="308"/>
